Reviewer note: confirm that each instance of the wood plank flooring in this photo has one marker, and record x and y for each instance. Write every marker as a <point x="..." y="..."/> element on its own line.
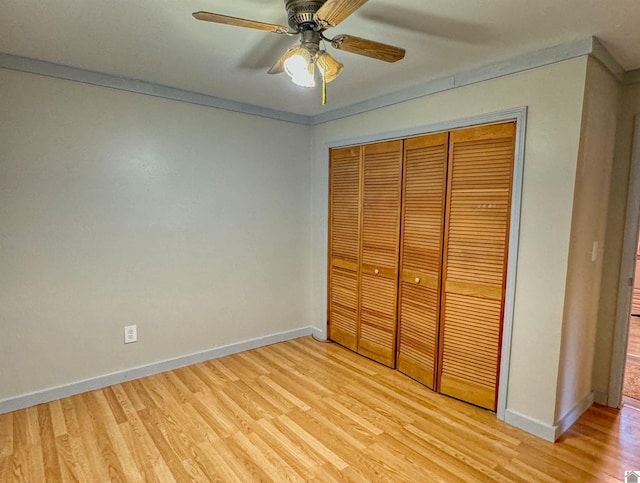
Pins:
<point x="631" y="387"/>
<point x="298" y="411"/>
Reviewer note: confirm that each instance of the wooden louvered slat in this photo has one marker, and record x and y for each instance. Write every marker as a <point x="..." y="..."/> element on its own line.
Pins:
<point x="378" y="318"/>
<point x="344" y="245"/>
<point x="343" y="311"/>
<point x="475" y="251"/>
<point x="471" y="349"/>
<point x="425" y="168"/>
<point x="382" y="180"/>
<point x="345" y="187"/>
<point x="417" y="339"/>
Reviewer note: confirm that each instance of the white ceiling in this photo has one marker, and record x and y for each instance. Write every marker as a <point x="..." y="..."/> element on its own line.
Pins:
<point x="159" y="41"/>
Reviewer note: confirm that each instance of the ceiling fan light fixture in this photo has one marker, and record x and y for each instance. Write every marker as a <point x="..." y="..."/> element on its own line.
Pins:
<point x="329" y="67"/>
<point x="300" y="67"/>
<point x="309" y="19"/>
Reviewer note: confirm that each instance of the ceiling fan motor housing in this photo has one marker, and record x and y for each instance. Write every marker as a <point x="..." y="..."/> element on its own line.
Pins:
<point x="301" y="12"/>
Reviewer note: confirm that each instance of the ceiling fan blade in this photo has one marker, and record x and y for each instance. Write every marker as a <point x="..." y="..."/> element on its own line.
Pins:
<point x="240" y="22"/>
<point x="335" y="11"/>
<point x="368" y="48"/>
<point x="278" y="67"/>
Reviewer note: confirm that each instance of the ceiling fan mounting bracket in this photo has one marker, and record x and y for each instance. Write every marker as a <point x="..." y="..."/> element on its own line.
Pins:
<point x="302" y="13"/>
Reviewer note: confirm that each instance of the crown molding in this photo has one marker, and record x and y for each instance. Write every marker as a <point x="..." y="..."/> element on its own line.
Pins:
<point x="75" y="74"/>
<point x="532" y="60"/>
<point x="420" y="90"/>
<point x="589" y="46"/>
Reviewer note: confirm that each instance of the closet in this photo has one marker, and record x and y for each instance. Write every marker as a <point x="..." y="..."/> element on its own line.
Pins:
<point x="418" y="238"/>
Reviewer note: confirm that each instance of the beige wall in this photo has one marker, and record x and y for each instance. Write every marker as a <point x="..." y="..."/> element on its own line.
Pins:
<point x="554" y="95"/>
<point x="597" y="148"/>
<point x="118" y="209"/>
<point x="629" y="107"/>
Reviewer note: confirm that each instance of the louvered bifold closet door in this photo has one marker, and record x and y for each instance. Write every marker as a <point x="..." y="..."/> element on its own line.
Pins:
<point x="475" y="251"/>
<point x="425" y="170"/>
<point x="382" y="186"/>
<point x="344" y="245"/>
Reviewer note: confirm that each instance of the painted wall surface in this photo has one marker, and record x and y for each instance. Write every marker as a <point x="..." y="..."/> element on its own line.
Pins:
<point x="588" y="227"/>
<point x="629" y="107"/>
<point x="119" y="209"/>
<point x="554" y="95"/>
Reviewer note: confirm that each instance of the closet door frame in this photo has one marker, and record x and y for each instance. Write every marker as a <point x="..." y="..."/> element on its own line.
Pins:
<point x="519" y="115"/>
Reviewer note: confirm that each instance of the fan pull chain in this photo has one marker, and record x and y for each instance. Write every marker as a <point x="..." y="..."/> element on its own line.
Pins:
<point x="324" y="90"/>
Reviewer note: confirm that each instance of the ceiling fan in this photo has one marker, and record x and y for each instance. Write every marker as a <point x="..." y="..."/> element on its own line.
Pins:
<point x="310" y="19"/>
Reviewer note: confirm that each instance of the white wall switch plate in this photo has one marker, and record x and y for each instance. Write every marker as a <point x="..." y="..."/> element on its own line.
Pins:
<point x="130" y="334"/>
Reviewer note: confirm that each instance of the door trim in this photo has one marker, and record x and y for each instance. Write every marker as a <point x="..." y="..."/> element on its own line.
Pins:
<point x="627" y="270"/>
<point x="520" y="116"/>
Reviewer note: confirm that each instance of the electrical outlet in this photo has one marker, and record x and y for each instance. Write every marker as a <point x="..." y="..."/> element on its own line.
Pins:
<point x="130" y="334"/>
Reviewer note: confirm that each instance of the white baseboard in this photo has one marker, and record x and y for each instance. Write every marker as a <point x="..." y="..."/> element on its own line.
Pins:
<point x="601" y="397"/>
<point x="52" y="394"/>
<point x="565" y="422"/>
<point x="319" y="333"/>
<point x="544" y="430"/>
<point x="530" y="425"/>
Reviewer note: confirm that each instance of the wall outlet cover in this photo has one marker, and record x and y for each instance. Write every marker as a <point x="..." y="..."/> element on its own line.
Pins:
<point x="130" y="334"/>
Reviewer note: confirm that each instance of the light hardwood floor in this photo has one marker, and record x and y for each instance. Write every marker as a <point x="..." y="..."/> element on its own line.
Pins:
<point x="631" y="388"/>
<point x="300" y="411"/>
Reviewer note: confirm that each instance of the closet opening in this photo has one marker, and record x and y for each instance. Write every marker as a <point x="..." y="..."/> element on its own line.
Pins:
<point x="624" y="382"/>
<point x="631" y="383"/>
<point x="422" y="237"/>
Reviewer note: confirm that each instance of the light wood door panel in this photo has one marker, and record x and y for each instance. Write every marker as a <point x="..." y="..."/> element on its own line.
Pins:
<point x="475" y="254"/>
<point x="345" y="204"/>
<point x="382" y="183"/>
<point x="470" y="350"/>
<point x="424" y="189"/>
<point x="343" y="326"/>
<point x="344" y="244"/>
<point x="378" y="318"/>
